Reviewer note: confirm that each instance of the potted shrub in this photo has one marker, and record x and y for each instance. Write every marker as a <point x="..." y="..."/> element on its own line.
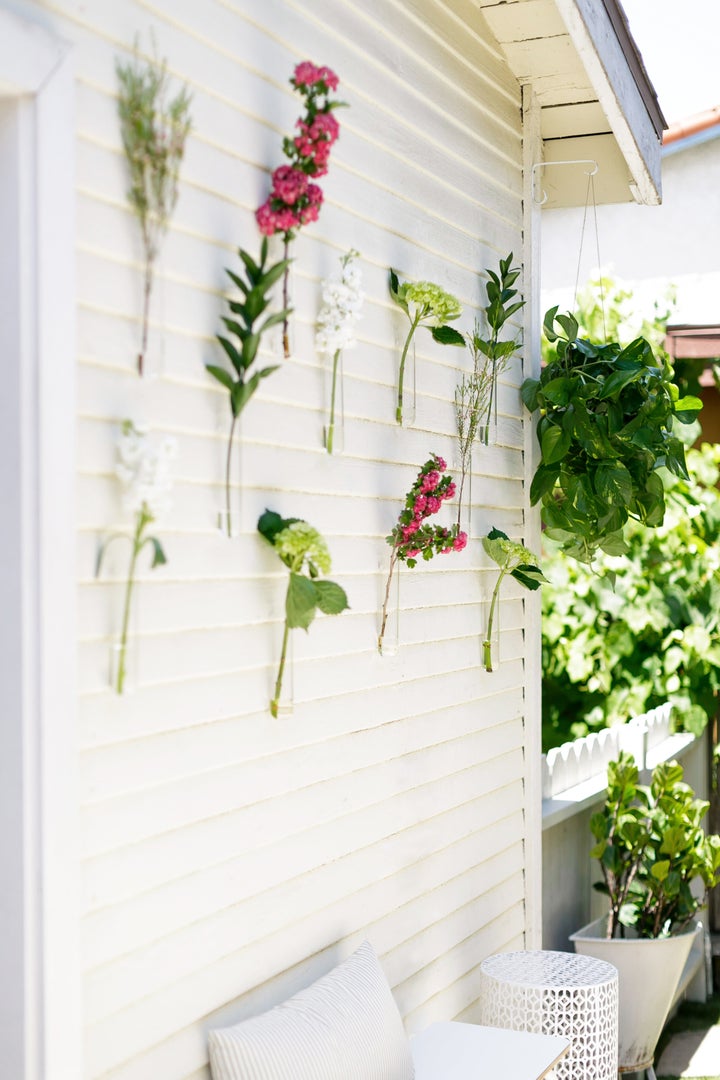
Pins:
<point x="657" y="866"/>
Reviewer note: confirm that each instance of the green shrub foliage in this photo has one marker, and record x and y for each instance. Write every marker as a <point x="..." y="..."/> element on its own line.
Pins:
<point x="652" y="847"/>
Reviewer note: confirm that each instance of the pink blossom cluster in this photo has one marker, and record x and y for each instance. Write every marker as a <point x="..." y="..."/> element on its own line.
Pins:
<point x="293" y="200"/>
<point x="411" y="536"/>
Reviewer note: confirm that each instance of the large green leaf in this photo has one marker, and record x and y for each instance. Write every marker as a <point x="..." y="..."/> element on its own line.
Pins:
<point x="331" y="598"/>
<point x="613" y="483"/>
<point x="531" y="577"/>
<point x="221" y="375"/>
<point x="554" y="445"/>
<point x="447" y="335"/>
<point x="271" y="523"/>
<point x="543" y="482"/>
<point x="300" y="602"/>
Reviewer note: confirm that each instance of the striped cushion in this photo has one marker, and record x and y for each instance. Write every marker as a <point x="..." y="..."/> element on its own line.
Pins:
<point x="345" y="1026"/>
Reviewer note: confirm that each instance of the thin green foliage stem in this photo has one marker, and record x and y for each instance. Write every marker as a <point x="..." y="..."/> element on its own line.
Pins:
<point x="246" y="325"/>
<point x="154" y="130"/>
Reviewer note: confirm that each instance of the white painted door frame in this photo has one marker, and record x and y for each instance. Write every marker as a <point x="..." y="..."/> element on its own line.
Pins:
<point x="532" y="152"/>
<point x="40" y="1014"/>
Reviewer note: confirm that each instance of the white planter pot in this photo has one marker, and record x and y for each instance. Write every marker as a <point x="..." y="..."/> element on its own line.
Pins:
<point x="649" y="972"/>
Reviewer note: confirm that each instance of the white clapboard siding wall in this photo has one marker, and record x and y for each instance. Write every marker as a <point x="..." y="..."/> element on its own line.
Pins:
<point x="230" y="858"/>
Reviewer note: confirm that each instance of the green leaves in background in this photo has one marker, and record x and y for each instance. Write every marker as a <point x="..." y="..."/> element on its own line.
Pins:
<point x="626" y="636"/>
<point x="652" y="849"/>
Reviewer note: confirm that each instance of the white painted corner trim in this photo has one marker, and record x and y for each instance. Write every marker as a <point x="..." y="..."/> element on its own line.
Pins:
<point x="590" y="29"/>
<point x="40" y="1013"/>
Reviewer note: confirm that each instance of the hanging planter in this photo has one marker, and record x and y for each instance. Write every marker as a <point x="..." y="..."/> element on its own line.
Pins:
<point x="606" y="425"/>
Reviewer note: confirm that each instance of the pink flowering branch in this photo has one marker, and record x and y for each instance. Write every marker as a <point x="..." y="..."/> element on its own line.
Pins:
<point x="412" y="536"/>
<point x="294" y="200"/>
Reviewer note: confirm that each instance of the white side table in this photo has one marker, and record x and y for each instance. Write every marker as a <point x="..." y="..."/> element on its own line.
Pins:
<point x="557" y="993"/>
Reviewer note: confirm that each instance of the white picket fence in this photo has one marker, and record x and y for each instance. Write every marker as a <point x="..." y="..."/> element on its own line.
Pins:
<point x="585" y="761"/>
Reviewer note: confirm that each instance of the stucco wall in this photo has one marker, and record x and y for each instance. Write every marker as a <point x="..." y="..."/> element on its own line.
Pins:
<point x="229" y="858"/>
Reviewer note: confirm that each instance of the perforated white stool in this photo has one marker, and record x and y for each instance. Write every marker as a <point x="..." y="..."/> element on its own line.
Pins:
<point x="557" y="993"/>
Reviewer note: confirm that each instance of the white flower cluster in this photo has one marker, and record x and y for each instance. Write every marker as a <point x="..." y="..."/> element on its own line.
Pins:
<point x="143" y="469"/>
<point x="342" y="306"/>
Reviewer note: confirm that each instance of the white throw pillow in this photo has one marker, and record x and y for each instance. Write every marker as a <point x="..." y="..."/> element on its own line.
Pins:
<point x="345" y="1026"/>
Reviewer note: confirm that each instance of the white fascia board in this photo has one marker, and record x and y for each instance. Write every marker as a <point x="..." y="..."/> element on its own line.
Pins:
<point x="594" y="38"/>
<point x="28" y="54"/>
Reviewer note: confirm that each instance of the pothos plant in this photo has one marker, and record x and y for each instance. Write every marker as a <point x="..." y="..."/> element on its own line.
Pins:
<point x="652" y="847"/>
<point x="516" y="560"/>
<point x="304" y="552"/>
<point x="247" y="328"/>
<point x="606" y="425"/>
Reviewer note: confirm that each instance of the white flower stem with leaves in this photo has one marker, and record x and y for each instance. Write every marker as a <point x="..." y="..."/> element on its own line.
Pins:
<point x="342" y="307"/>
<point x="330" y="438"/>
<point x="142" y="469"/>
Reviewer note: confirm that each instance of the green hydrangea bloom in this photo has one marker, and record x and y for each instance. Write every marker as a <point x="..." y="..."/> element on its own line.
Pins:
<point x="300" y="542"/>
<point x="515" y="554"/>
<point x="431" y="300"/>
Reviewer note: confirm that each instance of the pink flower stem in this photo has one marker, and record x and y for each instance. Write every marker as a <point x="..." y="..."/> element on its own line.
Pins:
<point x="383" y="623"/>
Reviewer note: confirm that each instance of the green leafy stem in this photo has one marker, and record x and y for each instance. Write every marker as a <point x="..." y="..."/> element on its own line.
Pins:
<point x="254" y="287"/>
<point x="138" y="541"/>
<point x="306" y="593"/>
<point x="513" y="559"/>
<point x="423" y="303"/>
